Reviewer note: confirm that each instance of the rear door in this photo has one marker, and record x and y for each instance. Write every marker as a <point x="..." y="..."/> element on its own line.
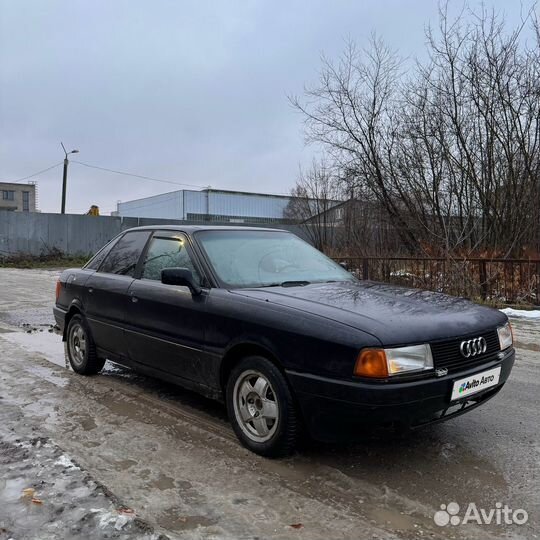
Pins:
<point x="107" y="291"/>
<point x="166" y="322"/>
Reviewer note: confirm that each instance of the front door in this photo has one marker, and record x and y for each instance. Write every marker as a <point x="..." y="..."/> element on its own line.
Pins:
<point x="165" y="323"/>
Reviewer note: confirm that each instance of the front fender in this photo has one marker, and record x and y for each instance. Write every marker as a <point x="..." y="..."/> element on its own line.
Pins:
<point x="300" y="341"/>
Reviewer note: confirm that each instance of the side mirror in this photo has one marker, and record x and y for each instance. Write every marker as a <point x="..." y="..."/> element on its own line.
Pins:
<point x="180" y="276"/>
<point x="344" y="265"/>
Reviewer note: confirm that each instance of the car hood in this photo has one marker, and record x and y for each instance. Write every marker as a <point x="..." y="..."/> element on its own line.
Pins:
<point x="395" y="315"/>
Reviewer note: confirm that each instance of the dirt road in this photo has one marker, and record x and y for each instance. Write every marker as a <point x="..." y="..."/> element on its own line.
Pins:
<point x="122" y="455"/>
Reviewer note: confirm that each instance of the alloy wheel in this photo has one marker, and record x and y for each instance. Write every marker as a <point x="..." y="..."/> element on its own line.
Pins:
<point x="255" y="406"/>
<point x="77" y="344"/>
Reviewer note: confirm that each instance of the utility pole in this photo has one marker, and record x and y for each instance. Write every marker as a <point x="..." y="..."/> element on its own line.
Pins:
<point x="64" y="178"/>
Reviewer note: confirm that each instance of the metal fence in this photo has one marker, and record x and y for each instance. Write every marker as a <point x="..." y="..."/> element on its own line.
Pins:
<point x="511" y="281"/>
<point x="503" y="281"/>
<point x="33" y="234"/>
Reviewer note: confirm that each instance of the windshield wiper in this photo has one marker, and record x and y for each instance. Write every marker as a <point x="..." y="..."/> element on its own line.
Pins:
<point x="288" y="284"/>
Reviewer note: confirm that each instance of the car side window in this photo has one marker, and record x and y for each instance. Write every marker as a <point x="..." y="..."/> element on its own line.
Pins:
<point x="97" y="259"/>
<point x="167" y="252"/>
<point x="125" y="254"/>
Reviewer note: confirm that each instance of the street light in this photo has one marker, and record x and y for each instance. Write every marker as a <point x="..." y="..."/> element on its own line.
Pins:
<point x="64" y="181"/>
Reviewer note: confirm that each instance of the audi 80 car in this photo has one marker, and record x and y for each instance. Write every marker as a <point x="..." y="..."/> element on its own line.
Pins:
<point x="286" y="337"/>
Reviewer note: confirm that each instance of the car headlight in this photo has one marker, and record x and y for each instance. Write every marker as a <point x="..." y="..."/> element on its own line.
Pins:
<point x="505" y="336"/>
<point x="386" y="362"/>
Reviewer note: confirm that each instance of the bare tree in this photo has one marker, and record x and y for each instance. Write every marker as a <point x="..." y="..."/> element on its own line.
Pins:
<point x="450" y="149"/>
<point x="315" y="193"/>
<point x="351" y="112"/>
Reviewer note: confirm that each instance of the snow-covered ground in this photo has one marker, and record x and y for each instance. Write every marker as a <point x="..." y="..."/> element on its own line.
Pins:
<point x="47" y="344"/>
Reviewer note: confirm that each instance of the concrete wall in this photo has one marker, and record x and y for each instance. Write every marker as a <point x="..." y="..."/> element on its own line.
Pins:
<point x="36" y="234"/>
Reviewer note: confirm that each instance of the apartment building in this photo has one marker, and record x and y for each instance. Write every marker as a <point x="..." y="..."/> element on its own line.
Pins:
<point x="18" y="197"/>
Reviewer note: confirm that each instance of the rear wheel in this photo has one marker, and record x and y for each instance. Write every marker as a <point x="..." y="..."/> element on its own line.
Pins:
<point x="81" y="349"/>
<point x="261" y="407"/>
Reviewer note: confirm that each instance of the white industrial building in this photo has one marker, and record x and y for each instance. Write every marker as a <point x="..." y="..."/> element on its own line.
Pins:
<point x="208" y="205"/>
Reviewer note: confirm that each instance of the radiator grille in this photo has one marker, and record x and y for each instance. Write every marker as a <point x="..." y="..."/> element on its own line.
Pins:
<point x="447" y="354"/>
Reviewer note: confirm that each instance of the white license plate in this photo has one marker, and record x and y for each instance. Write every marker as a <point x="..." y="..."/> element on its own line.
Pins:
<point x="475" y="383"/>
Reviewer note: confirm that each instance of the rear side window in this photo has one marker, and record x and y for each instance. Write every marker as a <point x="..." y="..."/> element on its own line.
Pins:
<point x="97" y="259"/>
<point x="123" y="257"/>
<point x="167" y="252"/>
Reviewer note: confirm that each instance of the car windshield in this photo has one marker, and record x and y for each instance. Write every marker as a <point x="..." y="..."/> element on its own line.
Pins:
<point x="266" y="259"/>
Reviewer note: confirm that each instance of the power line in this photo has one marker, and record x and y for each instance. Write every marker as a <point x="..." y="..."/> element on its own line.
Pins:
<point x="138" y="175"/>
<point x="124" y="173"/>
<point x="32" y="175"/>
<point x="143" y="177"/>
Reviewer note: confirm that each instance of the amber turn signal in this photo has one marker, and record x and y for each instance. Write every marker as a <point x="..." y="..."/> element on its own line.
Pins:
<point x="58" y="286"/>
<point x="371" y="363"/>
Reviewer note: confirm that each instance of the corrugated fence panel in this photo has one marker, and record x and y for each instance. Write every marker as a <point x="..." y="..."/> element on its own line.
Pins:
<point x="36" y="233"/>
<point x="58" y="233"/>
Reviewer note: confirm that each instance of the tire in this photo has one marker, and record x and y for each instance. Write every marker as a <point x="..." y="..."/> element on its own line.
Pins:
<point x="81" y="349"/>
<point x="261" y="408"/>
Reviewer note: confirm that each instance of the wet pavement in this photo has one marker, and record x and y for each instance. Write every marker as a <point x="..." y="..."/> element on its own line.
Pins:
<point x="120" y="455"/>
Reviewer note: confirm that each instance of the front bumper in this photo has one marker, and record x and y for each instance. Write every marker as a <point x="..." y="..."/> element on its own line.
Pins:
<point x="336" y="410"/>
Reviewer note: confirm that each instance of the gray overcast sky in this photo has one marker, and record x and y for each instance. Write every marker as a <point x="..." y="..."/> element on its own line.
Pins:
<point x="193" y="91"/>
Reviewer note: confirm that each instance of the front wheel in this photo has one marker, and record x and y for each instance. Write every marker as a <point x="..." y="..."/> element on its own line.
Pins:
<point x="261" y="407"/>
<point x="80" y="347"/>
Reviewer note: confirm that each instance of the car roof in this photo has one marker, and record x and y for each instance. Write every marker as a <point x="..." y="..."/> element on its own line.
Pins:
<point x="194" y="228"/>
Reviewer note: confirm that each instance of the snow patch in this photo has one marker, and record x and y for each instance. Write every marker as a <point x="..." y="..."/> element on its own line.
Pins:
<point x="402" y="273"/>
<point x="107" y="519"/>
<point x="64" y="461"/>
<point x="523" y="313"/>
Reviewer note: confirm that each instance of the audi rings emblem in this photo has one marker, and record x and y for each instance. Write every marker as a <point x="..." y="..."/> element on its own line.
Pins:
<point x="473" y="347"/>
